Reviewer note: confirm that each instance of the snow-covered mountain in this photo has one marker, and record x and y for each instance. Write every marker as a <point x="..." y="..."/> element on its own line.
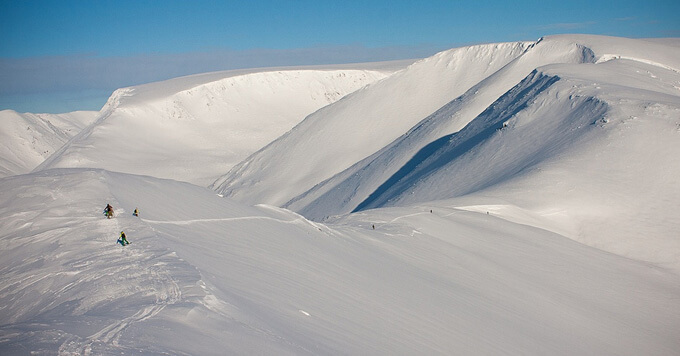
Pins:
<point x="565" y="118"/>
<point x="516" y="198"/>
<point x="362" y="123"/>
<point x="196" y="128"/>
<point x="459" y="85"/>
<point x="26" y="140"/>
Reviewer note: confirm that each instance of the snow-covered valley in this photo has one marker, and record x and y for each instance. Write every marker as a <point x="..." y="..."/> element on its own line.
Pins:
<point x="515" y="198"/>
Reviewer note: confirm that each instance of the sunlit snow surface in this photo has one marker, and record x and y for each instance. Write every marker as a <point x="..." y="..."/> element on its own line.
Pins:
<point x="26" y="139"/>
<point x="196" y="128"/>
<point x="204" y="275"/>
<point x="585" y="140"/>
<point x="501" y="199"/>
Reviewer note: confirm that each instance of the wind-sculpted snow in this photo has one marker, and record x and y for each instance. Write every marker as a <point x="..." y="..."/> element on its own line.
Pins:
<point x="204" y="275"/>
<point x="345" y="191"/>
<point x="584" y="156"/>
<point x="436" y="155"/>
<point x="581" y="156"/>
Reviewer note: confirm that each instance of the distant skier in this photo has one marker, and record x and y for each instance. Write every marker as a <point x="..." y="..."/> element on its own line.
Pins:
<point x="136" y="212"/>
<point x="108" y="211"/>
<point x="123" y="239"/>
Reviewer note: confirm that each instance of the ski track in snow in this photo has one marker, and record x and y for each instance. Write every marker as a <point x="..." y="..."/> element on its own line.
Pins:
<point x="137" y="266"/>
<point x="111" y="334"/>
<point x="112" y="287"/>
<point x="244" y="218"/>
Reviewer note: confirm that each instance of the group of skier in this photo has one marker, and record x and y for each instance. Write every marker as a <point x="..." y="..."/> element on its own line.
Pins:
<point x="108" y="211"/>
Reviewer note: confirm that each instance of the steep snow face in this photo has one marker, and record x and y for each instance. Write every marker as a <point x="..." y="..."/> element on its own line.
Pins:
<point x="305" y="157"/>
<point x="592" y="150"/>
<point x="27" y="139"/>
<point x="586" y="95"/>
<point x="341" y="134"/>
<point x="350" y="193"/>
<point x="455" y="85"/>
<point x="346" y="190"/>
<point x="196" y="128"/>
<point x="205" y="275"/>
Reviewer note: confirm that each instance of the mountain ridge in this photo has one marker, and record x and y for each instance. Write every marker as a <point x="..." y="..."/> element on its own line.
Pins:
<point x="198" y="126"/>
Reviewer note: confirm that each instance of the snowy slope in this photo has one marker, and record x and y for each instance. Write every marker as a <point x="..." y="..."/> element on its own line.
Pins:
<point x="195" y="128"/>
<point x="345" y="132"/>
<point x="600" y="166"/>
<point x="27" y="139"/>
<point x="208" y="276"/>
<point x="575" y="144"/>
<point x="363" y="134"/>
<point x="589" y="150"/>
<point x="346" y="190"/>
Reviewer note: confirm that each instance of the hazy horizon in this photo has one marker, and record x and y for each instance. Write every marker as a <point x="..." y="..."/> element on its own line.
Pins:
<point x="70" y="55"/>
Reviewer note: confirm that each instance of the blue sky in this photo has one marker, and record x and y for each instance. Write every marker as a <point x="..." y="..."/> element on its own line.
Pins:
<point x="59" y="56"/>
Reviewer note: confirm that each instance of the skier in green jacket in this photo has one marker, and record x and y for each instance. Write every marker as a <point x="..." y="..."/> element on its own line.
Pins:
<point x="123" y="239"/>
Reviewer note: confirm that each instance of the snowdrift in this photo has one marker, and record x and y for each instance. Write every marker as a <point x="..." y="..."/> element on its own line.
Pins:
<point x="204" y="275"/>
<point x="195" y="128"/>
